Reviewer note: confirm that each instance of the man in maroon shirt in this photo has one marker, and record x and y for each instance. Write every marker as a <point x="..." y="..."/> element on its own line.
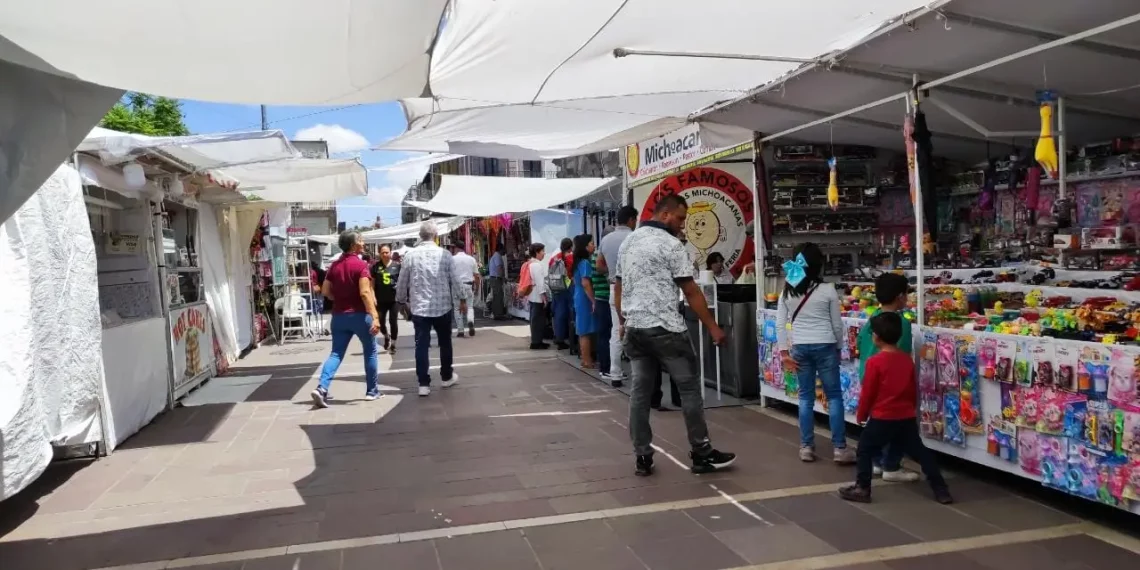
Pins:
<point x="888" y="404"/>
<point x="349" y="284"/>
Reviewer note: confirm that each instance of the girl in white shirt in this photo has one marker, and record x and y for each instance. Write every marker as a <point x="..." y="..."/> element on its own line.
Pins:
<point x="809" y="329"/>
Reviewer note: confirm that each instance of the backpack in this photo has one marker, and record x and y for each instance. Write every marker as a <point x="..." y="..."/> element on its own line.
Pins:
<point x="526" y="285"/>
<point x="556" y="279"/>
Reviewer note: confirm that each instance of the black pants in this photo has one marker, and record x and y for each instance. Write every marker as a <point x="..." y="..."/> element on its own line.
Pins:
<point x="658" y="394"/>
<point x="902" y="435"/>
<point x="389" y="317"/>
<point x="537" y="322"/>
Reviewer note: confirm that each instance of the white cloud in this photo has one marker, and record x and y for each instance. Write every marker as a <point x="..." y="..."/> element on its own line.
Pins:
<point x="386" y="196"/>
<point x="340" y="139"/>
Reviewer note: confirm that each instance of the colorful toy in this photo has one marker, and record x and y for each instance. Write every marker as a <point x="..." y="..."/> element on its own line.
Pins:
<point x="1067" y="362"/>
<point x="1122" y="378"/>
<point x="1053" y="452"/>
<point x="1076" y="414"/>
<point x="1028" y="407"/>
<point x="1006" y="354"/>
<point x="969" y="413"/>
<point x="1028" y="451"/>
<point x="1001" y="439"/>
<point x="1130" y="432"/>
<point x="987" y="359"/>
<point x="1042" y="355"/>
<point x="1022" y="367"/>
<point x="1131" y="476"/>
<point x="952" y="427"/>
<point x="948" y="378"/>
<point x="1082" y="475"/>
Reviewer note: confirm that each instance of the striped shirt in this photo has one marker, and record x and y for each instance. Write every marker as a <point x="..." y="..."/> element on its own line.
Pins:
<point x="600" y="281"/>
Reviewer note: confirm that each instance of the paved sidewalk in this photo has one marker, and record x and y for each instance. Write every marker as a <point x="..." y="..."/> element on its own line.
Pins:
<point x="483" y="476"/>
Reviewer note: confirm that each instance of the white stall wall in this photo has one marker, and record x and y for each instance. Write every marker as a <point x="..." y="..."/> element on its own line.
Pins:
<point x="51" y="368"/>
<point x="219" y="287"/>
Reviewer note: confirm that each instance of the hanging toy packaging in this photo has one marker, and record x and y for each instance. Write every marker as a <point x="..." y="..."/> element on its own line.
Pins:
<point x="1021" y="366"/>
<point x="1028" y="451"/>
<point x="1001" y="439"/>
<point x="1006" y="354"/>
<point x="1054" y="461"/>
<point x="1028" y="407"/>
<point x="1043" y="356"/>
<point x="952" y="428"/>
<point x="1082" y="476"/>
<point x="1122" y="378"/>
<point x="929" y="398"/>
<point x="1092" y="372"/>
<point x="1067" y="361"/>
<point x="969" y="413"/>
<point x="948" y="379"/>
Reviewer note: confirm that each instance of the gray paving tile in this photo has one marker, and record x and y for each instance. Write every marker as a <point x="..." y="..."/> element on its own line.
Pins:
<point x="655" y="526"/>
<point x="309" y="561"/>
<point x="949" y="561"/>
<point x="1026" y="556"/>
<point x="620" y="558"/>
<point x="490" y="551"/>
<point x="858" y="533"/>
<point x="419" y="555"/>
<point x="761" y="545"/>
<point x="1090" y="551"/>
<point x="582" y="535"/>
<point x="1014" y="513"/>
<point x="811" y="508"/>
<point x="729" y="517"/>
<point x="696" y="552"/>
<point x="929" y="520"/>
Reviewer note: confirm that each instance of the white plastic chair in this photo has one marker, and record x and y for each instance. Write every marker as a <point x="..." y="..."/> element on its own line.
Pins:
<point x="293" y="312"/>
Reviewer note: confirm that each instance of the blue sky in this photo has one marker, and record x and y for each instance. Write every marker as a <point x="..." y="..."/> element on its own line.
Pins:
<point x="351" y="130"/>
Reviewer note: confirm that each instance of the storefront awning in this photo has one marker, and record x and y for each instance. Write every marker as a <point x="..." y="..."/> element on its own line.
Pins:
<point x="196" y="151"/>
<point x="301" y="179"/>
<point x="478" y="196"/>
<point x="509" y="81"/>
<point x="287" y="52"/>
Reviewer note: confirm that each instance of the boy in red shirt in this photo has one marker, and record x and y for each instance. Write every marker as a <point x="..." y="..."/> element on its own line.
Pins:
<point x="888" y="402"/>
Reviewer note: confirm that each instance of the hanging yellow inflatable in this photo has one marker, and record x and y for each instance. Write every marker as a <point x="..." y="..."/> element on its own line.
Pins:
<point x="833" y="185"/>
<point x="1046" y="152"/>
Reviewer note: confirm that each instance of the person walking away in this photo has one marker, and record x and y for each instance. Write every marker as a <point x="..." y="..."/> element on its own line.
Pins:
<point x="584" y="302"/>
<point x="607" y="261"/>
<point x="537" y="296"/>
<point x="349" y="284"/>
<point x="468" y="270"/>
<point x="888" y="402"/>
<point x="891" y="290"/>
<point x="385" y="273"/>
<point x="428" y="283"/>
<point x="653" y="269"/>
<point x="809" y="331"/>
<point x="558" y="284"/>
<point x="715" y="263"/>
<point x="497" y="276"/>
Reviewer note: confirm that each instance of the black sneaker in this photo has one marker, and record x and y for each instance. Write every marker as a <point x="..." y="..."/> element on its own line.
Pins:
<point x="855" y="493"/>
<point x="562" y="346"/>
<point x="539" y="346"/>
<point x="459" y="334"/>
<point x="471" y="329"/>
<point x="387" y="342"/>
<point x="712" y="461"/>
<point x="943" y="497"/>
<point x="644" y="466"/>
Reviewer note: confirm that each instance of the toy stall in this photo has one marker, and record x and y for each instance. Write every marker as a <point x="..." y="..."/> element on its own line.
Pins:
<point x="1015" y="218"/>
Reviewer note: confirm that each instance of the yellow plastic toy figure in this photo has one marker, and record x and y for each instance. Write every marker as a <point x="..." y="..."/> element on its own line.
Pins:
<point x="1046" y="151"/>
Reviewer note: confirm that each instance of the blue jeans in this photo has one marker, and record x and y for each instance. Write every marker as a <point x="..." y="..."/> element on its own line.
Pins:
<point x="442" y="327"/>
<point x="344" y="326"/>
<point x="603" y="327"/>
<point x="821" y="359"/>
<point x="560" y="303"/>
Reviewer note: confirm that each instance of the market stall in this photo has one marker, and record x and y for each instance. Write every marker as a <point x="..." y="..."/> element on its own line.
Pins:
<point x="1012" y="214"/>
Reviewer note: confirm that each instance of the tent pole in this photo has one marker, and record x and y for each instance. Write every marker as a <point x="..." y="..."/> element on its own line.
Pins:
<point x="758" y="244"/>
<point x="1062" y="168"/>
<point x="920" y="256"/>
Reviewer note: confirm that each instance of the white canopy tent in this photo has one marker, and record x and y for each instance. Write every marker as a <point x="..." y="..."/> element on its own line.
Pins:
<point x="510" y="81"/>
<point x="274" y="51"/>
<point x="301" y="179"/>
<point x="478" y="196"/>
<point x="398" y="233"/>
<point x="214" y="150"/>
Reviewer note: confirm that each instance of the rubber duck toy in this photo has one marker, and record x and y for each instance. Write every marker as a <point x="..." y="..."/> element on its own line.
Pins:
<point x="1033" y="298"/>
<point x="1046" y="151"/>
<point x="999" y="308"/>
<point x="833" y="184"/>
<point x="857" y="292"/>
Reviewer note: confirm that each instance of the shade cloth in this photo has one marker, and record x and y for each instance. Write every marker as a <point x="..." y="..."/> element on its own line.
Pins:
<point x="301" y="179"/>
<point x="296" y="52"/>
<point x="397" y="233"/>
<point x="493" y="195"/>
<point x="197" y="151"/>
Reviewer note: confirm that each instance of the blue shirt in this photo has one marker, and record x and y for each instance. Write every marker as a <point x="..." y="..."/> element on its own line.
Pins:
<point x="584" y="270"/>
<point x="495" y="268"/>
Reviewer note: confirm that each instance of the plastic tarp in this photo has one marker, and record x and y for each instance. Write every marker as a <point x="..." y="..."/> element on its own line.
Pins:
<point x="51" y="371"/>
<point x="198" y="151"/>
<point x="491" y="195"/>
<point x="397" y="233"/>
<point x="42" y="118"/>
<point x="280" y="52"/>
<point x="216" y="281"/>
<point x="301" y="179"/>
<point x="507" y="76"/>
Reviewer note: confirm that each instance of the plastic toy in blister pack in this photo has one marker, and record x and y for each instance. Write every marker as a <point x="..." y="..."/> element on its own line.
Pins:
<point x="928" y="365"/>
<point x="851" y="383"/>
<point x="1092" y="372"/>
<point x="1052" y="404"/>
<point x="1130" y="436"/>
<point x="1082" y="472"/>
<point x="1111" y="476"/>
<point x="969" y="414"/>
<point x="1066" y="363"/>
<point x="1028" y="407"/>
<point x="1042" y="355"/>
<point x="1021" y="366"/>
<point x="1009" y="395"/>
<point x="1076" y="419"/>
<point x="952" y="426"/>
<point x="947" y="364"/>
<point x="930" y="411"/>
<point x="1005" y="355"/>
<point x="1028" y="452"/>
<point x="1054" y="461"/>
<point x="1001" y="439"/>
<point x="987" y="359"/>
<point x="1104" y="427"/>
<point x="1122" y="378"/>
<point x="1131" y="476"/>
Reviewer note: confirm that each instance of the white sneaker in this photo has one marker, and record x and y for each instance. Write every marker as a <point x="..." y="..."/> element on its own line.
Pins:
<point x="450" y="383"/>
<point x="425" y="391"/>
<point x="876" y="471"/>
<point x="900" y="476"/>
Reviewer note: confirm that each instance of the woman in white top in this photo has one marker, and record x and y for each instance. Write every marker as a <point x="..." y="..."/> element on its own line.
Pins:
<point x="538" y="296"/>
<point x="721" y="274"/>
<point x="809" y="328"/>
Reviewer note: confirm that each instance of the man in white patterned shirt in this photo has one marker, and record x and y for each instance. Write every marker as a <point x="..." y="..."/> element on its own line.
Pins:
<point x="653" y="269"/>
<point x="427" y="286"/>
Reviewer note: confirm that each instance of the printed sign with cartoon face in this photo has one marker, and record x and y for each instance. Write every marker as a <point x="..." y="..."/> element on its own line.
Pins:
<point x="720" y="212"/>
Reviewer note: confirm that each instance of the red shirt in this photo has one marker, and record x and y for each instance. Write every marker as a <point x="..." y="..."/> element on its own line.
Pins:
<point x="343" y="278"/>
<point x="889" y="389"/>
<point x="568" y="257"/>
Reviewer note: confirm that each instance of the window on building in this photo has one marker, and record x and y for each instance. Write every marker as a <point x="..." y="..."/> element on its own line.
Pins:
<point x="490" y="167"/>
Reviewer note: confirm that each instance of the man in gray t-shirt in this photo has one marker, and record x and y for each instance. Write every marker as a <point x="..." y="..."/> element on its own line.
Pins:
<point x="653" y="269"/>
<point x="607" y="263"/>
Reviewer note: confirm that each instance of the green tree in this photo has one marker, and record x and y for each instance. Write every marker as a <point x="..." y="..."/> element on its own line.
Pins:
<point x="146" y="115"/>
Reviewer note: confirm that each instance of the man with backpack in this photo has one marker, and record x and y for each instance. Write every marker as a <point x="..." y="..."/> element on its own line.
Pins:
<point x="558" y="287"/>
